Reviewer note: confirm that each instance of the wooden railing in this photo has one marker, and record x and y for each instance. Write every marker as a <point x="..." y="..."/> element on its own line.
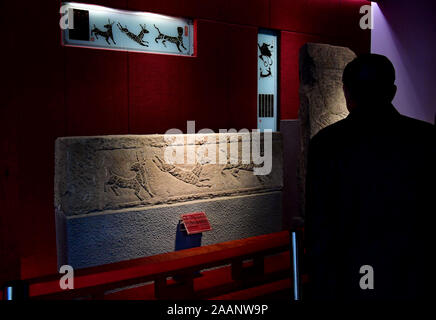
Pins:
<point x="240" y="269"/>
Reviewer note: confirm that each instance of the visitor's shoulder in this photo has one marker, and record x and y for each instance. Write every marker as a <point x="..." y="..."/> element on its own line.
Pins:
<point x="337" y="129"/>
<point x="418" y="124"/>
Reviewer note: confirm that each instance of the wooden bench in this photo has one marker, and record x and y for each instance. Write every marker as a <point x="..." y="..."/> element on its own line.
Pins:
<point x="240" y="269"/>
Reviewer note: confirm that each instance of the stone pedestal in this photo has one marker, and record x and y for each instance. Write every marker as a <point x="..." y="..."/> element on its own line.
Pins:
<point x="118" y="198"/>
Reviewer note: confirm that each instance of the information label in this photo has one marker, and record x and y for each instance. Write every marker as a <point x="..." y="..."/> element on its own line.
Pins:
<point x="196" y="222"/>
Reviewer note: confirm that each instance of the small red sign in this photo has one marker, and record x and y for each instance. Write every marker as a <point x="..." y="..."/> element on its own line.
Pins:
<point x="186" y="31"/>
<point x="196" y="222"/>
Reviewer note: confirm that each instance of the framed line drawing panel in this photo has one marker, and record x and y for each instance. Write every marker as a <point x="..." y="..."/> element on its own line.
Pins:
<point x="99" y="27"/>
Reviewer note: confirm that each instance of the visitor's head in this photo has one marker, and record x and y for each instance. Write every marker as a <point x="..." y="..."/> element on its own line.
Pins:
<point x="369" y="80"/>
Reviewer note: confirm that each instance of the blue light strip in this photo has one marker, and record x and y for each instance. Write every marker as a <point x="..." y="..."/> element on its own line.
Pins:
<point x="9" y="293"/>
<point x="295" y="266"/>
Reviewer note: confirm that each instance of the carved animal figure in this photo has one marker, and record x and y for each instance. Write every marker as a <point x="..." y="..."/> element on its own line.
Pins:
<point x="137" y="38"/>
<point x="178" y="41"/>
<point x="136" y="183"/>
<point x="187" y="176"/>
<point x="236" y="167"/>
<point x="105" y="34"/>
<point x="265" y="54"/>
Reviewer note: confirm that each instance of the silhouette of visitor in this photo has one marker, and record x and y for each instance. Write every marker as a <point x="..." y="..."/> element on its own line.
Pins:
<point x="369" y="194"/>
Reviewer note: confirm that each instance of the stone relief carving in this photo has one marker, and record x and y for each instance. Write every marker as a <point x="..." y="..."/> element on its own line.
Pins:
<point x="322" y="101"/>
<point x="137" y="183"/>
<point x="95" y="174"/>
<point x="187" y="176"/>
<point x="235" y="168"/>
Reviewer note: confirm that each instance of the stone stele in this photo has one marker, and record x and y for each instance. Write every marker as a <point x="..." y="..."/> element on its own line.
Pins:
<point x="95" y="174"/>
<point x="322" y="100"/>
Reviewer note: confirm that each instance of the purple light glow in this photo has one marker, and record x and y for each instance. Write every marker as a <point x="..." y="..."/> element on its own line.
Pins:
<point x="405" y="32"/>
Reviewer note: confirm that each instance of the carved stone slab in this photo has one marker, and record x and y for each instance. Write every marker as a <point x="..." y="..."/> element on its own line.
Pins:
<point x="322" y="100"/>
<point x="95" y="174"/>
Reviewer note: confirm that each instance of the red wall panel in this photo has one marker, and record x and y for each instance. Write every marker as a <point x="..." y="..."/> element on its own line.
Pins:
<point x="326" y="17"/>
<point x="55" y="91"/>
<point x="247" y="12"/>
<point x="226" y="67"/>
<point x="156" y="94"/>
<point x="242" y="77"/>
<point x="320" y="17"/>
<point x="287" y="15"/>
<point x="289" y="78"/>
<point x="306" y="16"/>
<point x="96" y="91"/>
<point x="215" y="58"/>
<point x="9" y="203"/>
<point x="186" y="8"/>
<point x="37" y="101"/>
<point x="213" y="88"/>
<point x="350" y="34"/>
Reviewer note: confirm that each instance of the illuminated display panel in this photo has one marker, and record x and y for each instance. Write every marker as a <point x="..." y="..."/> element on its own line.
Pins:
<point x="100" y="27"/>
<point x="267" y="48"/>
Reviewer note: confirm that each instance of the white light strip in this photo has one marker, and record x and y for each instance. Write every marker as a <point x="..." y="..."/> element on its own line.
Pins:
<point x="94" y="7"/>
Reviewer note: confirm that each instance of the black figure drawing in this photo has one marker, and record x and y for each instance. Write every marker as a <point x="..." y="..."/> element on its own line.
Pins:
<point x="266" y="57"/>
<point x="135" y="37"/>
<point x="178" y="41"/>
<point x="105" y="34"/>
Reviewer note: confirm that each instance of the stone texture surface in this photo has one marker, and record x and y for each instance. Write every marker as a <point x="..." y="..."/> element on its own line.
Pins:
<point x="95" y="174"/>
<point x="117" y="199"/>
<point x="322" y="100"/>
<point x="96" y="239"/>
